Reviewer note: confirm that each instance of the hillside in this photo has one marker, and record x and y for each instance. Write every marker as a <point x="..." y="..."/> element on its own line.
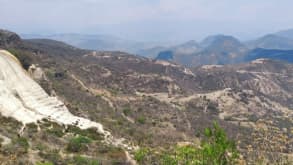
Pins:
<point x="8" y="38"/>
<point x="272" y="41"/>
<point x="157" y="104"/>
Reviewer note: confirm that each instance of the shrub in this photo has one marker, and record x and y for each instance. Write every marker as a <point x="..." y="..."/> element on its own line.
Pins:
<point x="78" y="143"/>
<point x="115" y="153"/>
<point x="141" y="154"/>
<point x="40" y="146"/>
<point x="32" y="128"/>
<point x="126" y="111"/>
<point x="169" y="160"/>
<point x="79" y="160"/>
<point x="21" y="144"/>
<point x="141" y="120"/>
<point x="188" y="155"/>
<point x="25" y="58"/>
<point x="253" y="118"/>
<point x="228" y="118"/>
<point x="51" y="155"/>
<point x="90" y="132"/>
<point x="18" y="146"/>
<point x="46" y="163"/>
<point x="55" y="132"/>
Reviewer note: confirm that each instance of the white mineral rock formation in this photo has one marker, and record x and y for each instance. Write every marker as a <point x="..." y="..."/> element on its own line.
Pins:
<point x="23" y="99"/>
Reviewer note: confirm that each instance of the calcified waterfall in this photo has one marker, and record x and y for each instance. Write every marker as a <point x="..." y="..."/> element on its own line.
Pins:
<point x="23" y="99"/>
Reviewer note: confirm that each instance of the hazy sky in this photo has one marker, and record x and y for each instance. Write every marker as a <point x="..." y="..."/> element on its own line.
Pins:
<point x="148" y="19"/>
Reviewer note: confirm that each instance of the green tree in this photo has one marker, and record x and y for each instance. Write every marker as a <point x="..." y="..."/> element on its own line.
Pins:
<point x="217" y="148"/>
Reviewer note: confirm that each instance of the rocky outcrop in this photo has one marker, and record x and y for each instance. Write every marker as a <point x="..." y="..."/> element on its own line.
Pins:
<point x="8" y="39"/>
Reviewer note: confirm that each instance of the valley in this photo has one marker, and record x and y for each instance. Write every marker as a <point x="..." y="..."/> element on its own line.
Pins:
<point x="139" y="103"/>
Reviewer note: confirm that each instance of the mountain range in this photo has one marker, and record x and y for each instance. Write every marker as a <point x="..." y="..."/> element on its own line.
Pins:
<point x="222" y="49"/>
<point x="96" y="42"/>
<point x="142" y="104"/>
<point x="216" y="49"/>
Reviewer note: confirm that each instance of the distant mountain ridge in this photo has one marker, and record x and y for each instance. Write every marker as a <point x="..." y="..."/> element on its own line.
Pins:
<point x="271" y="41"/>
<point x="95" y="42"/>
<point x="223" y="49"/>
<point x="285" y="33"/>
<point x="219" y="40"/>
<point x="217" y="49"/>
<point x="214" y="49"/>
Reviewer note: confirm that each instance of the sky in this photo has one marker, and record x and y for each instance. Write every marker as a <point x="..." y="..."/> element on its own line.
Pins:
<point x="148" y="20"/>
